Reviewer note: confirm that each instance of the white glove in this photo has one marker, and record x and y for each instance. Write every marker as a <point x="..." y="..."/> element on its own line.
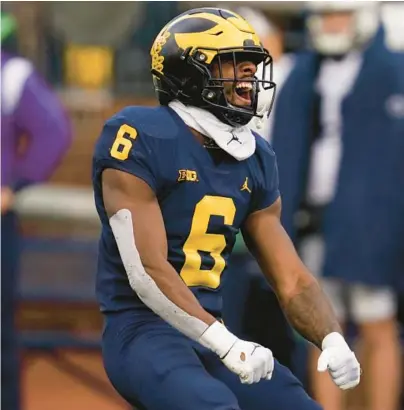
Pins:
<point x="340" y="361"/>
<point x="250" y="361"/>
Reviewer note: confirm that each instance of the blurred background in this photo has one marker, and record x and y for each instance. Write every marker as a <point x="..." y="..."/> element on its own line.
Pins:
<point x="95" y="58"/>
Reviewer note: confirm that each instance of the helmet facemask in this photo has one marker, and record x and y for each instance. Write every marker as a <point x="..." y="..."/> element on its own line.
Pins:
<point x="218" y="89"/>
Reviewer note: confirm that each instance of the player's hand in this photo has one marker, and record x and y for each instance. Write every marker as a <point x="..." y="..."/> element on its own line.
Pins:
<point x="340" y="361"/>
<point x="250" y="361"/>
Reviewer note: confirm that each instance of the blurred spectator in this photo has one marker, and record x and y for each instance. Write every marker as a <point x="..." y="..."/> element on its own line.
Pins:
<point x="35" y="133"/>
<point x="338" y="134"/>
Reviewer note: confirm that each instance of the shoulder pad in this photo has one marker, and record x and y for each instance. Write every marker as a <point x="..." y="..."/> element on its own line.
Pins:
<point x="262" y="144"/>
<point x="153" y="121"/>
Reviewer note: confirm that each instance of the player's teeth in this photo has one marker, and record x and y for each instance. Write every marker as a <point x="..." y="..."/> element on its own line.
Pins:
<point x="244" y="85"/>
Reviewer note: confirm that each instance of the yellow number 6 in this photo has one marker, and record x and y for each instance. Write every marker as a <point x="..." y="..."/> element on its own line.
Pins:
<point x="122" y="144"/>
<point x="200" y="240"/>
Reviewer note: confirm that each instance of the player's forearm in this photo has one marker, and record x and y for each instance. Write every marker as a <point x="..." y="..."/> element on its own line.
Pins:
<point x="184" y="312"/>
<point x="171" y="285"/>
<point x="309" y="311"/>
<point x="301" y="297"/>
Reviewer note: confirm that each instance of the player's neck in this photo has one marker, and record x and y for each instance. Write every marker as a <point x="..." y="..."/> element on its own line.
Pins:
<point x="217" y="154"/>
<point x="204" y="140"/>
<point x="199" y="137"/>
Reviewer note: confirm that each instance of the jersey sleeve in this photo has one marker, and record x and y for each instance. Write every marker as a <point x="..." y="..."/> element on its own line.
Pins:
<point x="124" y="147"/>
<point x="267" y="189"/>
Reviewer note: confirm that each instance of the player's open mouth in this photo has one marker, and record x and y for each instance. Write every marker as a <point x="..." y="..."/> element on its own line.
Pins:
<point x="243" y="93"/>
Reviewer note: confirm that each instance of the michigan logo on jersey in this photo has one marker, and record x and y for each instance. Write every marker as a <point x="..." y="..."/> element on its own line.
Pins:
<point x="187" y="175"/>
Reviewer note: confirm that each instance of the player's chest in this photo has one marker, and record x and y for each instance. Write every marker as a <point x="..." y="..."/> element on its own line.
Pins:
<point x="224" y="188"/>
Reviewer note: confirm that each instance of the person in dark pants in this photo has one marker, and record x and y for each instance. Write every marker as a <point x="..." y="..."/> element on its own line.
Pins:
<point x="30" y="109"/>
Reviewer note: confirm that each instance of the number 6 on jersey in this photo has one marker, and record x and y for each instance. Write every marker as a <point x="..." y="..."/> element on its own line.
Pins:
<point x="200" y="240"/>
<point x="122" y="144"/>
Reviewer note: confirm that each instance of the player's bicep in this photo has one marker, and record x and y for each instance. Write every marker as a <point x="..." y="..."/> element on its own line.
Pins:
<point x="121" y="189"/>
<point x="127" y="196"/>
<point x="274" y="250"/>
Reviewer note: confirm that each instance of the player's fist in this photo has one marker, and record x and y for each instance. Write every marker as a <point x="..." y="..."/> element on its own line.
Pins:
<point x="340" y="361"/>
<point x="250" y="361"/>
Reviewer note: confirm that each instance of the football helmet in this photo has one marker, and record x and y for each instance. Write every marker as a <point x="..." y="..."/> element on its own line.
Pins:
<point x="184" y="51"/>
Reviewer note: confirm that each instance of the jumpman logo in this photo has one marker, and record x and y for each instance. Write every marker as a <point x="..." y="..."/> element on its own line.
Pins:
<point x="245" y="186"/>
<point x="234" y="138"/>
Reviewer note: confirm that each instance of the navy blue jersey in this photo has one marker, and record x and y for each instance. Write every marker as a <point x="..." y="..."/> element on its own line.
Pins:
<point x="203" y="202"/>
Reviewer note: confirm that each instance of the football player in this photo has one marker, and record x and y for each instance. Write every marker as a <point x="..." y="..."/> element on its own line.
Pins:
<point x="173" y="186"/>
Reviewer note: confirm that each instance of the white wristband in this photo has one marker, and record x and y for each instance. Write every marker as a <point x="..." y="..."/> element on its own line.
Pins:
<point x="218" y="339"/>
<point x="333" y="339"/>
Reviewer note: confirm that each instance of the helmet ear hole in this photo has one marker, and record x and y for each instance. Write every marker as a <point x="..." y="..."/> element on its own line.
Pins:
<point x="165" y="82"/>
<point x="193" y="82"/>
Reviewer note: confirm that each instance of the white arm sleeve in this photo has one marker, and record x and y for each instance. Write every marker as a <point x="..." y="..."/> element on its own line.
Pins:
<point x="218" y="338"/>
